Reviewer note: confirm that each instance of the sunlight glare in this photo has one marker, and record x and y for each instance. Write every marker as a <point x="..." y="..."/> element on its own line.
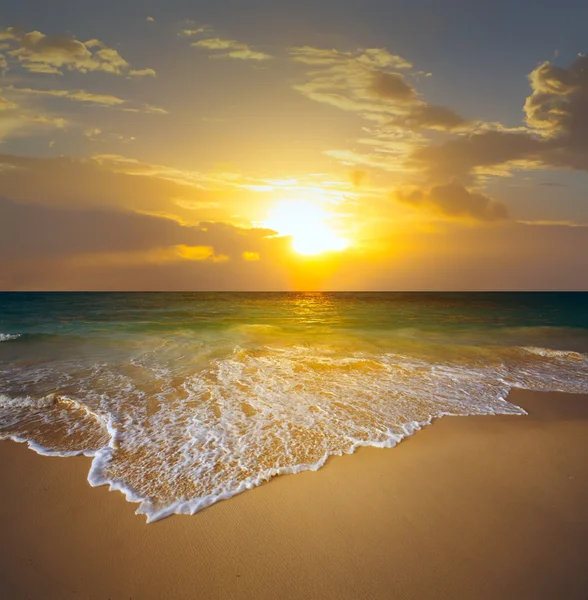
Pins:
<point x="308" y="226"/>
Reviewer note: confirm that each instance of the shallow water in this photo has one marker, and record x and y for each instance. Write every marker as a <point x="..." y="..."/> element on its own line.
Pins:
<point x="187" y="398"/>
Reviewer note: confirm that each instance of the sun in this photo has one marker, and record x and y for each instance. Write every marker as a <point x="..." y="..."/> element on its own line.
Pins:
<point x="308" y="225"/>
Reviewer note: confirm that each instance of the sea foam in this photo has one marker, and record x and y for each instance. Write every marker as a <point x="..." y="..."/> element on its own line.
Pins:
<point x="5" y="337"/>
<point x="178" y="434"/>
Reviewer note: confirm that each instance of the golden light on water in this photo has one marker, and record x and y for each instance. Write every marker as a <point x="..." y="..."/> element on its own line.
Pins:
<point x="308" y="224"/>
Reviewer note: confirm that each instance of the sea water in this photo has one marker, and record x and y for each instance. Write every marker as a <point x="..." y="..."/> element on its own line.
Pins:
<point x="187" y="398"/>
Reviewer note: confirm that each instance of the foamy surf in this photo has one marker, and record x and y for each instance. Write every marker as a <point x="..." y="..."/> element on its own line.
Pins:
<point x="185" y="400"/>
<point x="52" y="425"/>
<point x="261" y="413"/>
<point x="6" y="337"/>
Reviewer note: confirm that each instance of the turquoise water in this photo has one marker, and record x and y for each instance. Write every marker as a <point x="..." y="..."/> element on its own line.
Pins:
<point x="187" y="398"/>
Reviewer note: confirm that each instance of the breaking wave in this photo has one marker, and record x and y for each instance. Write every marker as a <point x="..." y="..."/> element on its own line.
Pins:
<point x="5" y="337"/>
<point x="177" y="431"/>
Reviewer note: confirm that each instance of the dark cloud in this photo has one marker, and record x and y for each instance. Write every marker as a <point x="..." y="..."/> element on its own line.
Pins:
<point x="67" y="181"/>
<point x="559" y="102"/>
<point x="460" y="257"/>
<point x="430" y="116"/>
<point x="60" y="248"/>
<point x="558" y="108"/>
<point x="115" y="182"/>
<point x="391" y="86"/>
<point x="460" y="156"/>
<point x="556" y="135"/>
<point x="40" y="248"/>
<point x="44" y="274"/>
<point x="29" y="231"/>
<point x="367" y="81"/>
<point x="455" y="201"/>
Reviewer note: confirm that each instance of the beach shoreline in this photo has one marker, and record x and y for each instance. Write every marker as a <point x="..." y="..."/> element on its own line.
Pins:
<point x="475" y="507"/>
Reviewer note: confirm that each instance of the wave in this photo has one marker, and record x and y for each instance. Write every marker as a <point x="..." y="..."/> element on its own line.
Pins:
<point x="176" y="436"/>
<point x="26" y="401"/>
<point x="554" y="353"/>
<point x="5" y="337"/>
<point x="53" y="424"/>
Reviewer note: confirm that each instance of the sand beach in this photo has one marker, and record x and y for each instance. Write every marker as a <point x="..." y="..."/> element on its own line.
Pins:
<point x="470" y="507"/>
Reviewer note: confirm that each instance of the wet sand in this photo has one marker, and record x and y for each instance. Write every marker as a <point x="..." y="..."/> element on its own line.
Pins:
<point x="470" y="507"/>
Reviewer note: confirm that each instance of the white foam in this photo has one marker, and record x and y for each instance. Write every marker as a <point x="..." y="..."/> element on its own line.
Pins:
<point x="44" y="451"/>
<point x="176" y="437"/>
<point x="553" y="353"/>
<point x="53" y="424"/>
<point x="5" y="337"/>
<point x="26" y="401"/>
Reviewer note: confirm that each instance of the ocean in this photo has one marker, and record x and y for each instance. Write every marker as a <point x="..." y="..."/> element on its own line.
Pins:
<point x="184" y="399"/>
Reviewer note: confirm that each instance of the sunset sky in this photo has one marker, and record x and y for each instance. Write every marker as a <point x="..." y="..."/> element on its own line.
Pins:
<point x="271" y="145"/>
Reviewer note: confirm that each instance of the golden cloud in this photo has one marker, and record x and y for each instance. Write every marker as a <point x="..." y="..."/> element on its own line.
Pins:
<point x="95" y="134"/>
<point x="17" y="120"/>
<point x="453" y="200"/>
<point x="40" y="53"/>
<point x="223" y="48"/>
<point x="105" y="248"/>
<point x="370" y="57"/>
<point x="555" y="135"/>
<point x="75" y="95"/>
<point x="558" y="104"/>
<point x="193" y="32"/>
<point x="368" y="81"/>
<point x="105" y="100"/>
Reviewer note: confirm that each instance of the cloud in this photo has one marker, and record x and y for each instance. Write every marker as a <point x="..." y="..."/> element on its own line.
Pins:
<point x="114" y="241"/>
<point x="110" y="180"/>
<point x="53" y="231"/>
<point x="193" y="32"/>
<point x="459" y="157"/>
<point x="555" y="136"/>
<point x="373" y="58"/>
<point x="40" y="53"/>
<point x="558" y="109"/>
<point x="391" y="86"/>
<point x="59" y="231"/>
<point x="75" y="95"/>
<point x="559" y="100"/>
<point x="378" y="87"/>
<point x="370" y="81"/>
<point x="223" y="48"/>
<point x="142" y="73"/>
<point x="70" y="248"/>
<point x="101" y="181"/>
<point x="455" y="201"/>
<point x="146" y="108"/>
<point x="375" y="160"/>
<point x="457" y="256"/>
<point x="17" y="120"/>
<point x="95" y="134"/>
<point x="6" y="105"/>
<point x="429" y="116"/>
<point x="106" y="100"/>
